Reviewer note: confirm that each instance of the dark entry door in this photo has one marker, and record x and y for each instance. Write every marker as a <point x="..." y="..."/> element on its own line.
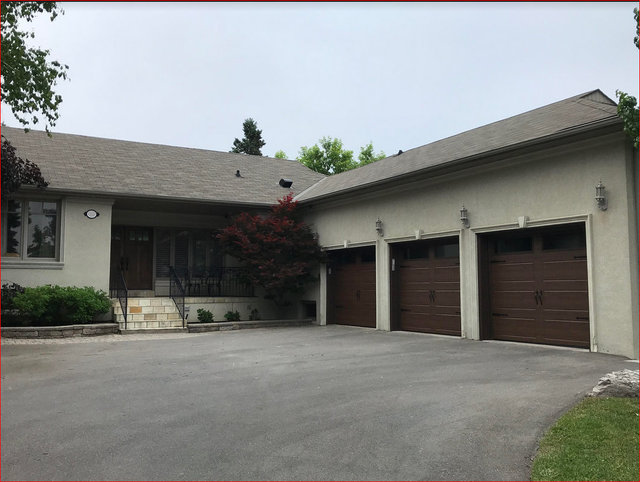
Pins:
<point x="538" y="287"/>
<point x="352" y="287"/>
<point x="132" y="252"/>
<point x="427" y="286"/>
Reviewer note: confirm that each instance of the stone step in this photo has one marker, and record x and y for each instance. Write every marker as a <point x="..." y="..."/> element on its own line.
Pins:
<point x="150" y="325"/>
<point x="153" y="330"/>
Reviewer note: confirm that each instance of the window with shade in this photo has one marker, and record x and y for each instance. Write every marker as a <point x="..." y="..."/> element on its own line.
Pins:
<point x="30" y="229"/>
<point x="190" y="250"/>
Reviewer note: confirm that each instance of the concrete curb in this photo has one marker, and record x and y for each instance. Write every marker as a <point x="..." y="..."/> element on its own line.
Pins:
<point x="66" y="331"/>
<point x="241" y="325"/>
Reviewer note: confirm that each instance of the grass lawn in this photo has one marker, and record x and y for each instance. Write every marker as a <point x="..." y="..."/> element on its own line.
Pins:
<point x="596" y="440"/>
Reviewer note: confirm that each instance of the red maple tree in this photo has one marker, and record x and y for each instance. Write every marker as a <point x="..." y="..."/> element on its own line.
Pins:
<point x="279" y="250"/>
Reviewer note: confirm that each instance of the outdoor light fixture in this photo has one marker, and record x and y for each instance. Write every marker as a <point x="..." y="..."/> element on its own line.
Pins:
<point x="379" y="227"/>
<point x="601" y="199"/>
<point x="91" y="213"/>
<point x="464" y="217"/>
<point x="285" y="183"/>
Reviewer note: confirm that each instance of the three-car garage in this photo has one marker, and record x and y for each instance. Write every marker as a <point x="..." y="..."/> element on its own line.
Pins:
<point x="532" y="286"/>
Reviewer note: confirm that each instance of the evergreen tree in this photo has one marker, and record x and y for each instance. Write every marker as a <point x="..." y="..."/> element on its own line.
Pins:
<point x="252" y="141"/>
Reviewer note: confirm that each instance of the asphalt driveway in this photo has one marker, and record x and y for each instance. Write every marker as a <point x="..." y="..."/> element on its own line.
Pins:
<point x="285" y="403"/>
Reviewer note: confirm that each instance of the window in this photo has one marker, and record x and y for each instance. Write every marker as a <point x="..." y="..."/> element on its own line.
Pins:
<point x="30" y="229"/>
<point x="186" y="249"/>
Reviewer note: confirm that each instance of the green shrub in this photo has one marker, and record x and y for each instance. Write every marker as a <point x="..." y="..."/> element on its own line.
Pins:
<point x="9" y="292"/>
<point x="205" y="316"/>
<point x="61" y="305"/>
<point x="232" y="316"/>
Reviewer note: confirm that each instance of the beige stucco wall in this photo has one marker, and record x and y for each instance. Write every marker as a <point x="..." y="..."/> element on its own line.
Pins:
<point x="84" y="250"/>
<point x="552" y="187"/>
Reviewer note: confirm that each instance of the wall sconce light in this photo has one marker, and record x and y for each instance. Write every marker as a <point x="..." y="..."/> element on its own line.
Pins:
<point x="379" y="229"/>
<point x="464" y="217"/>
<point x="91" y="213"/>
<point x="601" y="199"/>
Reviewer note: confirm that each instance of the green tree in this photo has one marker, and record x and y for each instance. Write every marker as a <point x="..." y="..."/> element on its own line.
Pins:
<point x="252" y="142"/>
<point x="329" y="157"/>
<point x="280" y="154"/>
<point x="28" y="75"/>
<point x="367" y="155"/>
<point x="628" y="104"/>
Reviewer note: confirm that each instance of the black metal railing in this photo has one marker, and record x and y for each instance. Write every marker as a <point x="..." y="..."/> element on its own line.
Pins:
<point x="228" y="282"/>
<point x="177" y="292"/>
<point x="122" y="294"/>
<point x="216" y="282"/>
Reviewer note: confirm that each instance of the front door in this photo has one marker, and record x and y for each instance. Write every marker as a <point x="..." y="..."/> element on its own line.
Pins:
<point x="132" y="252"/>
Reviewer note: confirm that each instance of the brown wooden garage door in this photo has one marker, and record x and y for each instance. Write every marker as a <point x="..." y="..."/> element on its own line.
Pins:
<point x="427" y="286"/>
<point x="538" y="287"/>
<point x="351" y="282"/>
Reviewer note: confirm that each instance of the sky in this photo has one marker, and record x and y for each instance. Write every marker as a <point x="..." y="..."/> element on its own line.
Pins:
<point x="399" y="75"/>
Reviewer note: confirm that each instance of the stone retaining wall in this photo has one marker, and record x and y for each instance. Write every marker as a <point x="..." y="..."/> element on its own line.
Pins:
<point x="239" y="325"/>
<point x="66" y="331"/>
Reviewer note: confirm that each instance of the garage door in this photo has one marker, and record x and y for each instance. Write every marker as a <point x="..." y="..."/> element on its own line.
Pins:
<point x="538" y="287"/>
<point x="427" y="286"/>
<point x="351" y="287"/>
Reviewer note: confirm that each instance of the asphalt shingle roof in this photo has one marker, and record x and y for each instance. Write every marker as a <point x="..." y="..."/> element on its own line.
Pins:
<point x="536" y="124"/>
<point x="96" y="165"/>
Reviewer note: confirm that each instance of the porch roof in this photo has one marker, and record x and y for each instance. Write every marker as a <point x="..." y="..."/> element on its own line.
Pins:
<point x="94" y="165"/>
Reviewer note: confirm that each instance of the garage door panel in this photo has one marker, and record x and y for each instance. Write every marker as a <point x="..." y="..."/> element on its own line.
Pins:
<point x="567" y="333"/>
<point x="512" y="271"/>
<point x="514" y="329"/>
<point x="443" y="324"/>
<point x="410" y="298"/>
<point x="411" y="274"/>
<point x="447" y="298"/>
<point x="513" y="299"/>
<point x="567" y="300"/>
<point x="564" y="270"/>
<point x="447" y="274"/>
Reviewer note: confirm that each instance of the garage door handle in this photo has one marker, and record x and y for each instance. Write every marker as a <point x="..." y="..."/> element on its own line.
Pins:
<point x="405" y="309"/>
<point x="540" y="297"/>
<point x="536" y="296"/>
<point x="499" y="314"/>
<point x="582" y="318"/>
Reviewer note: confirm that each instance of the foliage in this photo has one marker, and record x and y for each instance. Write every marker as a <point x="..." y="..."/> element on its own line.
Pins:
<point x="628" y="104"/>
<point x="61" y="305"/>
<point x="9" y="292"/>
<point x="280" y="154"/>
<point x="232" y="316"/>
<point x="279" y="249"/>
<point x="327" y="158"/>
<point x="205" y="316"/>
<point x="252" y="142"/>
<point x="628" y="112"/>
<point x="28" y="76"/>
<point x="367" y="155"/>
<point x="596" y="440"/>
<point x="17" y="171"/>
<point x="254" y="315"/>
<point x="636" y="39"/>
<point x="330" y="157"/>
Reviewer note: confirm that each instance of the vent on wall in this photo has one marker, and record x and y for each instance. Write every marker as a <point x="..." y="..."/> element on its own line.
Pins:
<point x="286" y="182"/>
